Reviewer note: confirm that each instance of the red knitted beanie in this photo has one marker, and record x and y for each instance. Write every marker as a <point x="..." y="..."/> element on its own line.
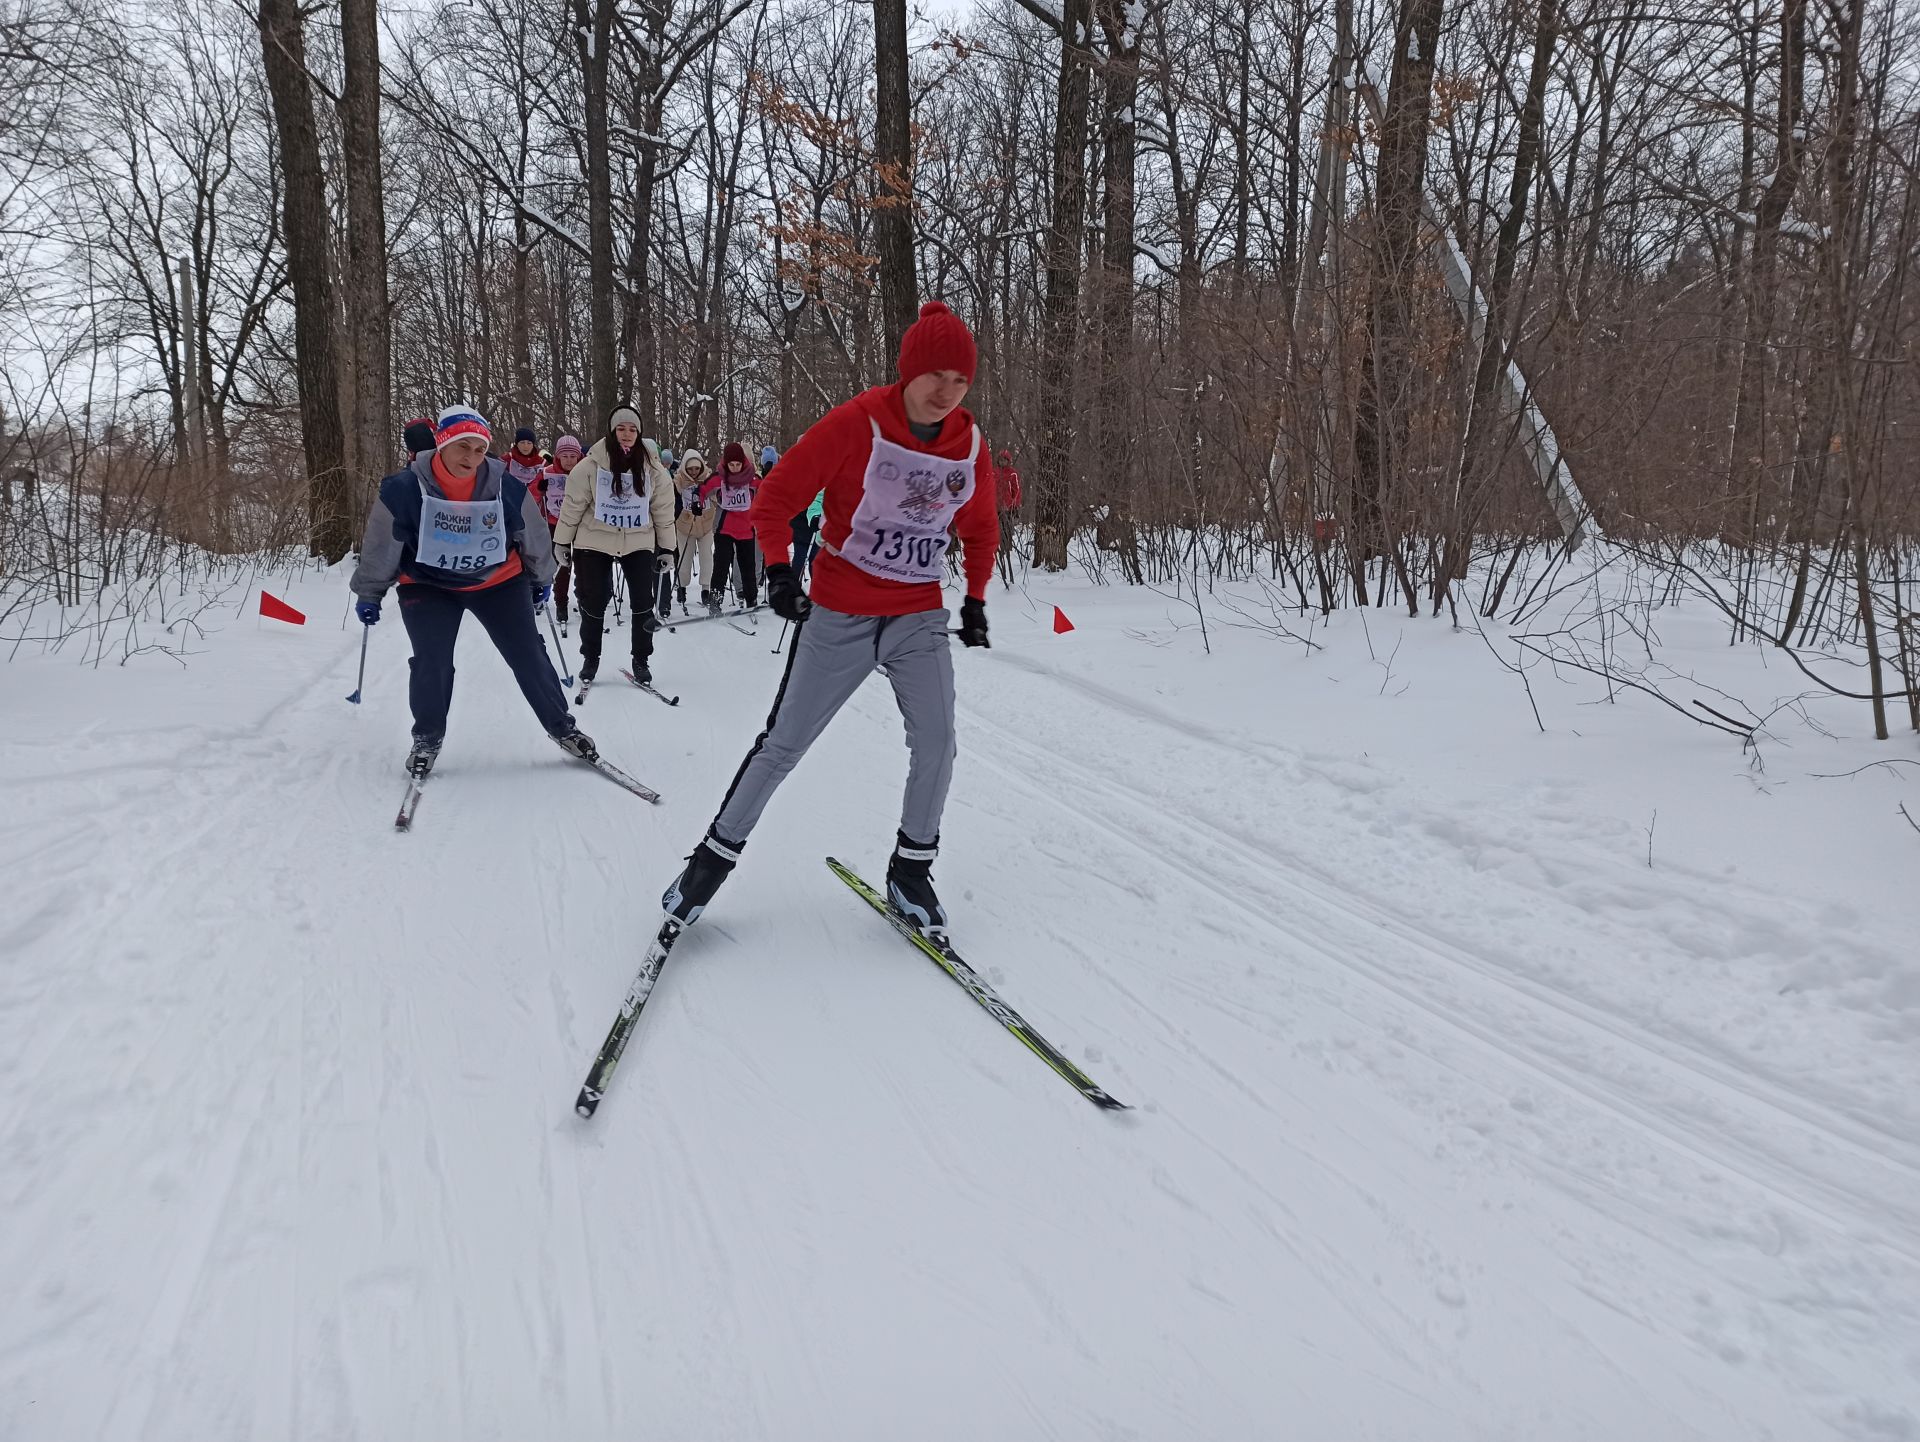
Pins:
<point x="938" y="341"/>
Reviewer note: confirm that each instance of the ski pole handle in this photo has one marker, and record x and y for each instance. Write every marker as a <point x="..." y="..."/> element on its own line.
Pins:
<point x="365" y="632"/>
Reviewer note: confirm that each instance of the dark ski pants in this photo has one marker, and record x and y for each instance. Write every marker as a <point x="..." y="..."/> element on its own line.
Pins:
<point x="832" y="654"/>
<point x="432" y="615"/>
<point x="593" y="590"/>
<point x="729" y="551"/>
<point x="560" y="579"/>
<point x="805" y="533"/>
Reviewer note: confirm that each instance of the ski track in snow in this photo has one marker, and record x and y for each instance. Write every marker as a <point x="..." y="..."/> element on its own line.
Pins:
<point x="1298" y="912"/>
<point x="287" y="1150"/>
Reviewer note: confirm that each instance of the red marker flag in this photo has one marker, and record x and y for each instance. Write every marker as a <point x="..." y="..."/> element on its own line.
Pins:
<point x="275" y="609"/>
<point x="1061" y="625"/>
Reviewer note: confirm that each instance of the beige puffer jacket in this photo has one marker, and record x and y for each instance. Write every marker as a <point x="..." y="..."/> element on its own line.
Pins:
<point x="693" y="527"/>
<point x="580" y="527"/>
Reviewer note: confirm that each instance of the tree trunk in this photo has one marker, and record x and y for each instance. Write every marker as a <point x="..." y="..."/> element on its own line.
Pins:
<point x="1501" y="329"/>
<point x="1830" y="441"/>
<point x="893" y="172"/>
<point x="519" y="324"/>
<point x="593" y="21"/>
<point x="642" y="350"/>
<point x="1065" y="234"/>
<point x="1386" y="374"/>
<point x="1747" y="462"/>
<point x="1306" y="398"/>
<point x="1113" y="426"/>
<point x="366" y="284"/>
<point x="330" y="518"/>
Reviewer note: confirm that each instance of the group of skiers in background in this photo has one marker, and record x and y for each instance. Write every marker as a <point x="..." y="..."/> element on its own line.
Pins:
<point x="885" y="484"/>
<point x="710" y="510"/>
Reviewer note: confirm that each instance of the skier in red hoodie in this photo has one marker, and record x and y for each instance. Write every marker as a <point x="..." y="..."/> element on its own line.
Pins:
<point x="905" y="472"/>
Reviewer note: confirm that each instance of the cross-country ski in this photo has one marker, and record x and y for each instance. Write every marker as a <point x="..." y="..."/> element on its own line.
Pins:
<point x="731" y="614"/>
<point x="1346" y="573"/>
<point x="410" y="803"/>
<point x="942" y="954"/>
<point x="600" y="1074"/>
<point x="650" y="689"/>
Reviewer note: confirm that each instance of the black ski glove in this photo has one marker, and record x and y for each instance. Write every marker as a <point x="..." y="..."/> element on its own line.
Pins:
<point x="784" y="595"/>
<point x="973" y="623"/>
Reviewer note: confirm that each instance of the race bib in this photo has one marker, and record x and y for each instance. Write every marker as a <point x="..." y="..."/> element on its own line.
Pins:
<point x="462" y="536"/>
<point x="555" y="494"/>
<point x="909" y="501"/>
<point x="736" y="497"/>
<point x="628" y="511"/>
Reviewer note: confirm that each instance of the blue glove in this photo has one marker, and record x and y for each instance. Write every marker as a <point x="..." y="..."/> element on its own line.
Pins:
<point x="367" y="611"/>
<point x="540" y="594"/>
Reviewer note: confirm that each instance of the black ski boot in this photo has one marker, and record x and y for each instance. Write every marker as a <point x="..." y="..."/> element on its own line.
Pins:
<point x="563" y="625"/>
<point x="711" y="600"/>
<point x="642" y="672"/>
<point x="680" y="595"/>
<point x="694" y="887"/>
<point x="589" y="667"/>
<point x="426" y="750"/>
<point x="910" y="886"/>
<point x="577" y="744"/>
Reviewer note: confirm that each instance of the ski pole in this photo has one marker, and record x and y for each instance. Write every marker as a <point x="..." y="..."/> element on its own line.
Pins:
<point x="619" y="591"/>
<point x="558" y="649"/>
<point x="365" y="631"/>
<point x="783" y="637"/>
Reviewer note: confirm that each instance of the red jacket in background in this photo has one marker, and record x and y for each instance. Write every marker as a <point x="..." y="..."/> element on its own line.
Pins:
<point x="832" y="457"/>
<point x="737" y="524"/>
<point x="553" y="492"/>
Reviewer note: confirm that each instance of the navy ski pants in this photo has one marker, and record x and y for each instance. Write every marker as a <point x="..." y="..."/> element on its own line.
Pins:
<point x="432" y="615"/>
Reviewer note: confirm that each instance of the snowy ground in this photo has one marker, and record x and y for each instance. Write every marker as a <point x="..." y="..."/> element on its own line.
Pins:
<point x="1458" y="1117"/>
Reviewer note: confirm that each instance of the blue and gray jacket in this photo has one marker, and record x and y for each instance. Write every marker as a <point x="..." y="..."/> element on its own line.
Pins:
<point x="388" y="550"/>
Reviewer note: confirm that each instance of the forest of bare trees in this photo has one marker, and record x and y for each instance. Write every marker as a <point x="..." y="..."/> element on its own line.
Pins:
<point x="1380" y="299"/>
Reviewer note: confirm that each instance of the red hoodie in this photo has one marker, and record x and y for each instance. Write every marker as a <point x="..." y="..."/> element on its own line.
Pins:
<point x="735" y="523"/>
<point x="832" y="457"/>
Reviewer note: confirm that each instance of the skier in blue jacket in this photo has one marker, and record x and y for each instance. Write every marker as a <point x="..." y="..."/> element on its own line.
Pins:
<point x="460" y="534"/>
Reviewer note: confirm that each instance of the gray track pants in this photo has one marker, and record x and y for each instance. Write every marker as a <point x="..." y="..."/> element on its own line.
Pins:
<point x="832" y="655"/>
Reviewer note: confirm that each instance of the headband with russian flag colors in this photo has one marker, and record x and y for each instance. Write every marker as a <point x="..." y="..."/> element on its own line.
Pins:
<point x="457" y="423"/>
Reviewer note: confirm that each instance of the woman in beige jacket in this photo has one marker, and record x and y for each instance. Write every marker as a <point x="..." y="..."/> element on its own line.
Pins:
<point x="618" y="511"/>
<point x="695" y="525"/>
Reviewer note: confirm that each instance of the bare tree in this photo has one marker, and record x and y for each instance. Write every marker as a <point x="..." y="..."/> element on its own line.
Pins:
<point x="1065" y="234"/>
<point x="309" y="268"/>
<point x="372" y="440"/>
<point x="893" y="163"/>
